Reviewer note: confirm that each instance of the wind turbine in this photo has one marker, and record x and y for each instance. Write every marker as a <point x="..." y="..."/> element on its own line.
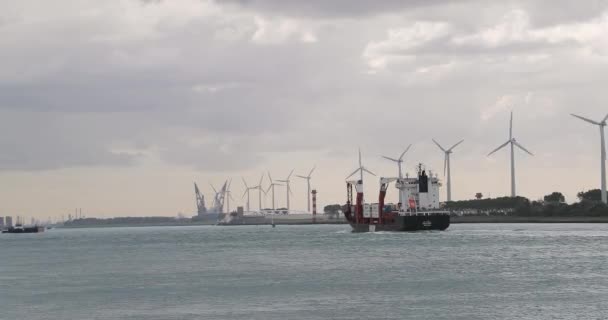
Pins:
<point x="247" y="189"/>
<point x="600" y="124"/>
<point x="360" y="169"/>
<point x="228" y="196"/>
<point x="308" y="182"/>
<point x="399" y="160"/>
<point x="513" y="143"/>
<point x="446" y="165"/>
<point x="271" y="186"/>
<point x="286" y="181"/>
<point x="259" y="187"/>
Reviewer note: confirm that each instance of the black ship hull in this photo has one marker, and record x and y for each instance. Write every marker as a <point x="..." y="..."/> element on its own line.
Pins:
<point x="406" y="223"/>
<point x="24" y="230"/>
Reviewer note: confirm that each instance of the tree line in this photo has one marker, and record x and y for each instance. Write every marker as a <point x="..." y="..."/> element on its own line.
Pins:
<point x="554" y="204"/>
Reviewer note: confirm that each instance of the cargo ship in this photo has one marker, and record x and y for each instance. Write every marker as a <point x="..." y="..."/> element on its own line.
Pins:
<point x="19" y="228"/>
<point x="418" y="207"/>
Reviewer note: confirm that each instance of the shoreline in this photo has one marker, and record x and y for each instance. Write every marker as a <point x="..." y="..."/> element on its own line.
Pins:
<point x="454" y="220"/>
<point x="515" y="219"/>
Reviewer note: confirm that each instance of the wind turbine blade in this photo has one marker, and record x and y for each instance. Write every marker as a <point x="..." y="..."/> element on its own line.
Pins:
<point x="389" y="158"/>
<point x="440" y="147"/>
<point x="605" y="118"/>
<point x="245" y="193"/>
<point x="270" y="186"/>
<point x="445" y="164"/>
<point x="522" y="147"/>
<point x="404" y="152"/>
<point x="269" y="177"/>
<point x="501" y="146"/>
<point x="212" y="187"/>
<point x="299" y="176"/>
<point x="261" y="178"/>
<point x="373" y="174"/>
<point x="289" y="176"/>
<point x="352" y="174"/>
<point x="289" y="189"/>
<point x="360" y="165"/>
<point x="245" y="182"/>
<point x="454" y="146"/>
<point x="585" y="119"/>
<point x="511" y="126"/>
<point x="313" y="169"/>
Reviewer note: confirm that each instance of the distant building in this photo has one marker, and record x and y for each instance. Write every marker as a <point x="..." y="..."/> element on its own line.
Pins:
<point x="1" y="222"/>
<point x="8" y="221"/>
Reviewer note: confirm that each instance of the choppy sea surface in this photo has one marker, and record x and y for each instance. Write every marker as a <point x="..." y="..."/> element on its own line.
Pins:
<point x="471" y="271"/>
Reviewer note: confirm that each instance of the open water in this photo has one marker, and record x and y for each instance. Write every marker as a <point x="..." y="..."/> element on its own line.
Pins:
<point x="483" y="271"/>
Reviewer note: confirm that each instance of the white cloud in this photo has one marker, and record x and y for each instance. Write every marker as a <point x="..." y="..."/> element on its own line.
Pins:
<point x="280" y="30"/>
<point x="514" y="27"/>
<point x="503" y="103"/>
<point x="400" y="41"/>
<point x="530" y="104"/>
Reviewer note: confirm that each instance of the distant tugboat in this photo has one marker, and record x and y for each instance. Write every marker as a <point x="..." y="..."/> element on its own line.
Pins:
<point x="19" y="228"/>
<point x="421" y="194"/>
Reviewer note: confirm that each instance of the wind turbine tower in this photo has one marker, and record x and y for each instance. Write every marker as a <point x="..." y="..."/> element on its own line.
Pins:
<point x="600" y="124"/>
<point x="399" y="160"/>
<point x="259" y="187"/>
<point x="308" y="182"/>
<point x="271" y="186"/>
<point x="228" y="196"/>
<point x="446" y="167"/>
<point x="247" y="189"/>
<point x="288" y="188"/>
<point x="513" y="143"/>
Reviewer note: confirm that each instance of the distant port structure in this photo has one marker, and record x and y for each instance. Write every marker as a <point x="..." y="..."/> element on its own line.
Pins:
<point x="220" y="212"/>
<point x="216" y="207"/>
<point x="222" y="197"/>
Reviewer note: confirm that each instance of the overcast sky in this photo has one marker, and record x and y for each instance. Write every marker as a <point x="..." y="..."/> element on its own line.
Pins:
<point x="117" y="107"/>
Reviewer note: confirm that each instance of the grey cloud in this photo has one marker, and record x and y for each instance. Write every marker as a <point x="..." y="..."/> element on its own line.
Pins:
<point x="194" y="97"/>
<point x="336" y="8"/>
<point x="543" y="12"/>
<point x="42" y="141"/>
<point x="551" y="12"/>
